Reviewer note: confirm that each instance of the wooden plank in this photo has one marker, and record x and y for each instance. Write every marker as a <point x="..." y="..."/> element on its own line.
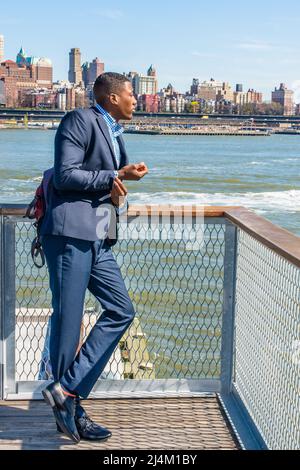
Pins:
<point x="135" y="424"/>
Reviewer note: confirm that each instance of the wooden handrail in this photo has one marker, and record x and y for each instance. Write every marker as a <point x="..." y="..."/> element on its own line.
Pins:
<point x="142" y="210"/>
<point x="278" y="239"/>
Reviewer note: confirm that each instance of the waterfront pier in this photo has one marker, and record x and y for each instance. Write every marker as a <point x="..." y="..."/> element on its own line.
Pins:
<point x="212" y="361"/>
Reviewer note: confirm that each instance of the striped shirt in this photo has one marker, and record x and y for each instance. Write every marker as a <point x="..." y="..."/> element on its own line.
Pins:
<point x="115" y="129"/>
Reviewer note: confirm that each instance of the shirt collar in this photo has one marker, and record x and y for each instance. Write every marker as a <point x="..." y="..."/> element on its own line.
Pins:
<point x="115" y="127"/>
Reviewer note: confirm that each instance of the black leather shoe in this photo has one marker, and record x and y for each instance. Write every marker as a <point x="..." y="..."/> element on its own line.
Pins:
<point x="87" y="428"/>
<point x="63" y="408"/>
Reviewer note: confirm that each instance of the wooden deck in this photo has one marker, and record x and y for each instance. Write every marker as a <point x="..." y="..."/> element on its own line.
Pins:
<point x="159" y="423"/>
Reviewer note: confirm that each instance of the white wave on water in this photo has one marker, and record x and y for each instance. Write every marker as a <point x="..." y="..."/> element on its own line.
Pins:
<point x="283" y="160"/>
<point x="26" y="180"/>
<point x="278" y="160"/>
<point x="275" y="202"/>
<point x="288" y="201"/>
<point x="198" y="167"/>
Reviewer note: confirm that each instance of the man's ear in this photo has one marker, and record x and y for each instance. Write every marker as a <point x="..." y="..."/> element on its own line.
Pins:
<point x="114" y="98"/>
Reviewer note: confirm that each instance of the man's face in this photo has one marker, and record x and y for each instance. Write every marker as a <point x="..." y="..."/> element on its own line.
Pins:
<point x="125" y="102"/>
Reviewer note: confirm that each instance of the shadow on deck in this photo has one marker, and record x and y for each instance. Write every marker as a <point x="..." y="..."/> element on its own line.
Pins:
<point x="147" y="423"/>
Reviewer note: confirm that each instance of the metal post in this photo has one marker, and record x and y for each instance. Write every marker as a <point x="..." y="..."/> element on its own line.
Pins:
<point x="8" y="305"/>
<point x="227" y="349"/>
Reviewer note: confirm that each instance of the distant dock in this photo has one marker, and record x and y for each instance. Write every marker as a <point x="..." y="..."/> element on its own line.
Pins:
<point x="229" y="132"/>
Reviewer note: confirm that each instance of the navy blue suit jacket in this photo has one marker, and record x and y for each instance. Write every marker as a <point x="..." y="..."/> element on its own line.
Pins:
<point x="84" y="167"/>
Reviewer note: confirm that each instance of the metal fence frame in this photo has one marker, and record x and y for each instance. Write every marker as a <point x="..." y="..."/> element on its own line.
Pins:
<point x="280" y="241"/>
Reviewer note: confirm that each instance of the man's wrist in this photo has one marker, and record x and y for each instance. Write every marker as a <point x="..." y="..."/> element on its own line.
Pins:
<point x="121" y="174"/>
<point x="121" y="203"/>
<point x="122" y="208"/>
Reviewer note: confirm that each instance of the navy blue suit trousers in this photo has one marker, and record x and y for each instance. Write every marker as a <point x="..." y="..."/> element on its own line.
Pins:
<point x="76" y="265"/>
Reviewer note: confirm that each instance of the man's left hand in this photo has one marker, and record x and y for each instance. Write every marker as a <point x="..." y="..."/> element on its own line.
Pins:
<point x="118" y="193"/>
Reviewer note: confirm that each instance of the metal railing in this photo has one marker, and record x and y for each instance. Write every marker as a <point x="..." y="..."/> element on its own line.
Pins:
<point x="267" y="374"/>
<point x="217" y="303"/>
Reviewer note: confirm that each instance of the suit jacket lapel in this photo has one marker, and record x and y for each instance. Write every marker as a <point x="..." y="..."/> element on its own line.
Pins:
<point x="124" y="156"/>
<point x="105" y="132"/>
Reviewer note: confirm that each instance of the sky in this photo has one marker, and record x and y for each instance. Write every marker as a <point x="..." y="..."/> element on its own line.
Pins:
<point x="255" y="43"/>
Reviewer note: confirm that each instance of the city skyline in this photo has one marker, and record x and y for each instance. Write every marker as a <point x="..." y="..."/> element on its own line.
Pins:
<point x="28" y="82"/>
<point x="201" y="41"/>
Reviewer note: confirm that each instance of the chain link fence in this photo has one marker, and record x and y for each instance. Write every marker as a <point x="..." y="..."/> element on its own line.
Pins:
<point x="176" y="285"/>
<point x="267" y="370"/>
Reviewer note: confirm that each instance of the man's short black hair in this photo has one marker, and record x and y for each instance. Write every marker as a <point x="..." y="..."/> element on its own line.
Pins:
<point x="107" y="83"/>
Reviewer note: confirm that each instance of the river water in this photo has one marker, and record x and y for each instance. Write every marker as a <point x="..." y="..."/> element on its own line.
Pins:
<point x="261" y="173"/>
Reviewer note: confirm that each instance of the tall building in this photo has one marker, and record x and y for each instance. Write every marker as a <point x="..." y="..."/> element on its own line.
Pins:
<point x="90" y="71"/>
<point x="254" y="96"/>
<point x="1" y="48"/>
<point x="85" y="73"/>
<point x="130" y="75"/>
<point x="239" y="87"/>
<point x="42" y="71"/>
<point x="21" y="57"/>
<point x="144" y="85"/>
<point x="169" y="91"/>
<point x="15" y="79"/>
<point x="241" y="98"/>
<point x="21" y="79"/>
<point x="96" y="68"/>
<point x="41" y="68"/>
<point x="195" y="87"/>
<point x="209" y="90"/>
<point x="225" y="93"/>
<point x="70" y="98"/>
<point x="284" y="97"/>
<point x="75" y="72"/>
<point x="151" y="72"/>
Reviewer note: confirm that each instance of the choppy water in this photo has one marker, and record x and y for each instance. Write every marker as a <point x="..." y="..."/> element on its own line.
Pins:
<point x="262" y="173"/>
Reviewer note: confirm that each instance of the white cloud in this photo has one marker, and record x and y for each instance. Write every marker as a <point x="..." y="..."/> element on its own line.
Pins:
<point x="254" y="45"/>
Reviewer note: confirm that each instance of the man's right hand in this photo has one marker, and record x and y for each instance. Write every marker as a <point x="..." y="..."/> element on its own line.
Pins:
<point x="133" y="172"/>
<point x="118" y="193"/>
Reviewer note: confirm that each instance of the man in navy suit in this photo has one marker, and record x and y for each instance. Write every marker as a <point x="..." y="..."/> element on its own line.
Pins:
<point x="77" y="234"/>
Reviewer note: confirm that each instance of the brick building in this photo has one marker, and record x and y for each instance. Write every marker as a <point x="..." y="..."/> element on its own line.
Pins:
<point x="15" y="78"/>
<point x="148" y="103"/>
<point x="284" y="97"/>
<point x="27" y="73"/>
